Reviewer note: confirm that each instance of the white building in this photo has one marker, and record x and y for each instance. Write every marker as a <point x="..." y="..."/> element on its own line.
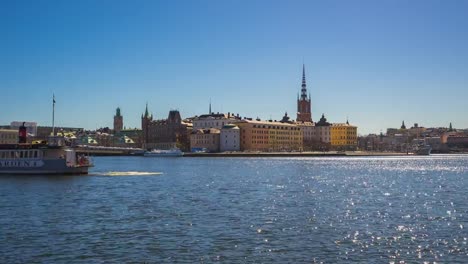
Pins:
<point x="230" y="138"/>
<point x="213" y="120"/>
<point x="308" y="130"/>
<point x="315" y="135"/>
<point x="320" y="131"/>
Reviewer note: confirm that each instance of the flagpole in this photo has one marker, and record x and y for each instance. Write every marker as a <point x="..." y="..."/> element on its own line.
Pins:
<point x="53" y="115"/>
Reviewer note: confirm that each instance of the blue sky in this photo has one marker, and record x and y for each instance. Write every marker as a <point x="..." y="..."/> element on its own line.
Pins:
<point x="376" y="62"/>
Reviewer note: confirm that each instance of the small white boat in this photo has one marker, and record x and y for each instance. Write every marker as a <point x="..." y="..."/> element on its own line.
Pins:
<point x="174" y="152"/>
<point x="424" y="150"/>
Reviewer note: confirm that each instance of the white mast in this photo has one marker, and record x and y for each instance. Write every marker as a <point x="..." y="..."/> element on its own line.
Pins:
<point x="53" y="115"/>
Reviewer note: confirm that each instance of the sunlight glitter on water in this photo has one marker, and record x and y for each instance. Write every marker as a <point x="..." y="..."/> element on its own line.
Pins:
<point x="237" y="210"/>
<point x="127" y="173"/>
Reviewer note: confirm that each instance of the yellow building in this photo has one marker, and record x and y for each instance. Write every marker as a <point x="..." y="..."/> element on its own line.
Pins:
<point x="343" y="136"/>
<point x="269" y="136"/>
<point x="8" y="136"/>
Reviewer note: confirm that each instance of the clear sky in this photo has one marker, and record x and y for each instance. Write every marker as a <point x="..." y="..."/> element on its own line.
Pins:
<point x="377" y="62"/>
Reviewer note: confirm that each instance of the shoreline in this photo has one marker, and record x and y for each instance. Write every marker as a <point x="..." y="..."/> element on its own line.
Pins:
<point x="298" y="154"/>
<point x="268" y="154"/>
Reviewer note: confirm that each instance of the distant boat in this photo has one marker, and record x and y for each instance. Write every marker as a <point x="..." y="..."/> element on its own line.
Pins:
<point x="423" y="150"/>
<point x="137" y="153"/>
<point x="174" y="152"/>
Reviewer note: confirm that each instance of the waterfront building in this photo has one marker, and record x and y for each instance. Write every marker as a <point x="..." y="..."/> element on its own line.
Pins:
<point x="8" y="136"/>
<point x="323" y="130"/>
<point x="318" y="134"/>
<point x="436" y="144"/>
<point x="397" y="142"/>
<point x="457" y="142"/>
<point x="343" y="136"/>
<point x="212" y="120"/>
<point x="205" y="139"/>
<point x="269" y="136"/>
<point x="310" y="140"/>
<point x="229" y="138"/>
<point x="371" y="142"/>
<point x="304" y="113"/>
<point x="118" y="121"/>
<point x="165" y="133"/>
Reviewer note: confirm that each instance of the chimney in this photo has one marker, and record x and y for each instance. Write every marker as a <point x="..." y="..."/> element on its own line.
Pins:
<point x="22" y="134"/>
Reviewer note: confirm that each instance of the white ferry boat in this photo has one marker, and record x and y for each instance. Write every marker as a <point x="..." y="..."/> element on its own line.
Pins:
<point x="174" y="152"/>
<point x="52" y="157"/>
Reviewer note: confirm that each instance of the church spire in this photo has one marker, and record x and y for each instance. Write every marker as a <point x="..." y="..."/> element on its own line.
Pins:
<point x="209" y="111"/>
<point x="146" y="111"/>
<point x="304" y="113"/>
<point x="304" y="86"/>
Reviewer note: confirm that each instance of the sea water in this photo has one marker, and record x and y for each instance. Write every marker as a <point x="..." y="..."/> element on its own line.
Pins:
<point x="241" y="210"/>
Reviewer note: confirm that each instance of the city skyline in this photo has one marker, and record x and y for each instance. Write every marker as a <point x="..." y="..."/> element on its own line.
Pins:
<point x="374" y="63"/>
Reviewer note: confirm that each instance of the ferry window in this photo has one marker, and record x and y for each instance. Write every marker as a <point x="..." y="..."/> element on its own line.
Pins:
<point x="35" y="153"/>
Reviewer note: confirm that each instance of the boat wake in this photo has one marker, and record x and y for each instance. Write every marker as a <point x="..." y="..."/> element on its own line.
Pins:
<point x="127" y="173"/>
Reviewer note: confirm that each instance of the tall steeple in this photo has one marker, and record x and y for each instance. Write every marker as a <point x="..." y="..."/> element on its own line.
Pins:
<point x="304" y="86"/>
<point x="304" y="113"/>
<point x="146" y="111"/>
<point x="209" y="112"/>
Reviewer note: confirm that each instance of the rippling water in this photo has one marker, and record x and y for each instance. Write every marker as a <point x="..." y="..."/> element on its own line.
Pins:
<point x="249" y="210"/>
